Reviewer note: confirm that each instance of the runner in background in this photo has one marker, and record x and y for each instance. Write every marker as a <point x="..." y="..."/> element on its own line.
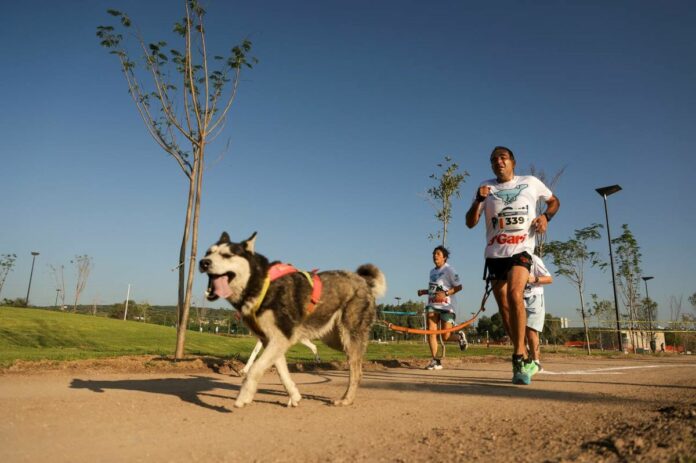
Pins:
<point x="442" y="286"/>
<point x="534" y="303"/>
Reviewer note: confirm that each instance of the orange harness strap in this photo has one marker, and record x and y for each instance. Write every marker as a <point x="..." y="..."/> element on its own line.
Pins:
<point x="280" y="270"/>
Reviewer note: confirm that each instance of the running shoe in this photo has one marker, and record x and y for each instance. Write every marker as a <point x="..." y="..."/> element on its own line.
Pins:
<point x="463" y="345"/>
<point x="519" y="375"/>
<point x="531" y="368"/>
<point x="434" y="365"/>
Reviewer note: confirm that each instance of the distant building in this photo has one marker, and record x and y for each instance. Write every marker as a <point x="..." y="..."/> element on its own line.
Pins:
<point x="642" y="339"/>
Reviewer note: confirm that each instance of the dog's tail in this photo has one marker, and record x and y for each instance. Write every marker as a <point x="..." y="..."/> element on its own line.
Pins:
<point x="375" y="279"/>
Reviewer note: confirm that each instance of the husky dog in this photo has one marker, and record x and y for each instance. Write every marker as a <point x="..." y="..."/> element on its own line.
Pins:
<point x="277" y="311"/>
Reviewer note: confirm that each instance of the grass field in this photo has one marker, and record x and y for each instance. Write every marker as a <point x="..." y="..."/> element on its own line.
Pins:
<point x="35" y="334"/>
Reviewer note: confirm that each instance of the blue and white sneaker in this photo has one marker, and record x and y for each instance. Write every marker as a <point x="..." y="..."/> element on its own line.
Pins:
<point x="463" y="345"/>
<point x="519" y="374"/>
<point x="434" y="365"/>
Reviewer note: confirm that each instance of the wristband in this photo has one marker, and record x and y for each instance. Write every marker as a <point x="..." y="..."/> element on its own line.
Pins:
<point x="548" y="219"/>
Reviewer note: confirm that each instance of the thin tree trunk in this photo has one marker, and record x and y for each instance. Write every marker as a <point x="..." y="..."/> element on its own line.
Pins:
<point x="584" y="323"/>
<point x="192" y="259"/>
<point x="184" y="302"/>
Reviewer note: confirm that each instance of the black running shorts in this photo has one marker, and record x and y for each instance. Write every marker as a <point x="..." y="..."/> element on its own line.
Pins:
<point x="497" y="268"/>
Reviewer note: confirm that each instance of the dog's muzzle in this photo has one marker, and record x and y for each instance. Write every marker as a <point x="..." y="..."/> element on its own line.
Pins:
<point x="218" y="285"/>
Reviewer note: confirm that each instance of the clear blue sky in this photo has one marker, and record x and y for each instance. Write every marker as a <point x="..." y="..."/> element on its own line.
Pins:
<point x="336" y="130"/>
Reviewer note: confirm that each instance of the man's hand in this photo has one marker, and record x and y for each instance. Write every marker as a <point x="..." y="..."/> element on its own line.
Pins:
<point x="540" y="224"/>
<point x="440" y="297"/>
<point x="483" y="193"/>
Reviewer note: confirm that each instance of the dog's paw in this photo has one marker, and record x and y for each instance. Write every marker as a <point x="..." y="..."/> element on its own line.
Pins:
<point x="342" y="402"/>
<point x="244" y="398"/>
<point x="294" y="402"/>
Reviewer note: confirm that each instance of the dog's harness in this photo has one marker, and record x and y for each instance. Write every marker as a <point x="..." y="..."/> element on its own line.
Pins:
<point x="280" y="270"/>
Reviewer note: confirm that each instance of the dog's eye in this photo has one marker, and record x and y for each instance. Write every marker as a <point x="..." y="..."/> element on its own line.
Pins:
<point x="226" y="255"/>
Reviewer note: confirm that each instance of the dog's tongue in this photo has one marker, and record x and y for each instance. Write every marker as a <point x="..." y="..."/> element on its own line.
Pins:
<point x="221" y="286"/>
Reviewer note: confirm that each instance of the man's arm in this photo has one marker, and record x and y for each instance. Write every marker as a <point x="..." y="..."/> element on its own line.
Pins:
<point x="542" y="222"/>
<point x="474" y="213"/>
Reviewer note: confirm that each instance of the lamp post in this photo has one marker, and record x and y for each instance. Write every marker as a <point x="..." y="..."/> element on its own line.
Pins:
<point x="647" y="300"/>
<point x="604" y="192"/>
<point x="31" y="275"/>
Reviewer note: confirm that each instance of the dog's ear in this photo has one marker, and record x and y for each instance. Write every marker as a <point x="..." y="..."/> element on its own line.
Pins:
<point x="224" y="238"/>
<point x="249" y="243"/>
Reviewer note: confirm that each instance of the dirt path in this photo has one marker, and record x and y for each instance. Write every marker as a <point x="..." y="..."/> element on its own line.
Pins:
<point x="641" y="409"/>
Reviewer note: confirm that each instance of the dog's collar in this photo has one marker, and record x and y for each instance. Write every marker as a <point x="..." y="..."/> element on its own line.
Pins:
<point x="261" y="296"/>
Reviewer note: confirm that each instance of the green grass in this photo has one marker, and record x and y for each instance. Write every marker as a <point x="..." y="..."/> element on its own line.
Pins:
<point x="35" y="334"/>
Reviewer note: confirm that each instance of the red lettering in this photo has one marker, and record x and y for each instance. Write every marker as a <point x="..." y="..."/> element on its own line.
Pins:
<point x="505" y="239"/>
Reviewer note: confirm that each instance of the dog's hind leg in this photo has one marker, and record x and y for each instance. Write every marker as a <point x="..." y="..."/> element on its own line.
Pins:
<point x="282" y="367"/>
<point x="354" y="329"/>
<point x="252" y="357"/>
<point x="354" y="351"/>
<point x="312" y="347"/>
<point x="276" y="348"/>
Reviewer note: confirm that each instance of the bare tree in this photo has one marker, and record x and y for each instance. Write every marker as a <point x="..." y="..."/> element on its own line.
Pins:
<point x="83" y="267"/>
<point x="440" y="196"/>
<point x="570" y="258"/>
<point x="59" y="277"/>
<point x="7" y="263"/>
<point x="602" y="310"/>
<point x="675" y="316"/>
<point x="540" y="238"/>
<point x="628" y="275"/>
<point x="194" y="118"/>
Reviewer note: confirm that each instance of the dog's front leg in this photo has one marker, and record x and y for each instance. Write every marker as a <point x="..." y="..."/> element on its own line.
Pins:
<point x="252" y="357"/>
<point x="268" y="357"/>
<point x="282" y="367"/>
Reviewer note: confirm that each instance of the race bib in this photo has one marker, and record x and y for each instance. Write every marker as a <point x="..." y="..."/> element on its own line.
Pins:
<point x="510" y="219"/>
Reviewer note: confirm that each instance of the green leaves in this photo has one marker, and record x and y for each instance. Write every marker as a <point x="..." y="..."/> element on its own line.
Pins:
<point x="125" y="20"/>
<point x="109" y="39"/>
<point x="448" y="184"/>
<point x="570" y="256"/>
<point x="180" y="28"/>
<point x="239" y="58"/>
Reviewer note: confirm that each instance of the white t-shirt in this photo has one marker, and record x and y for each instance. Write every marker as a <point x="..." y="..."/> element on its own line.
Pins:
<point x="534" y="296"/>
<point x="442" y="279"/>
<point x="538" y="270"/>
<point x="509" y="210"/>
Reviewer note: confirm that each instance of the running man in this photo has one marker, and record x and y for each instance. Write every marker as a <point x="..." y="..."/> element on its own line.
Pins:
<point x="509" y="204"/>
<point x="442" y="286"/>
<point x="534" y="303"/>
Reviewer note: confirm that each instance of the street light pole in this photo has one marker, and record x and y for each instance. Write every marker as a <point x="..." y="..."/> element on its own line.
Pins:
<point x="604" y="192"/>
<point x="647" y="300"/>
<point x="31" y="275"/>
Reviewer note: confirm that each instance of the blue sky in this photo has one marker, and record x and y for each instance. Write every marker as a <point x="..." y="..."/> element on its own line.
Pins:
<point x="335" y="132"/>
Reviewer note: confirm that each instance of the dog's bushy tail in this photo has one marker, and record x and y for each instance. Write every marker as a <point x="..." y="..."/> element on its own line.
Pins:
<point x="375" y="279"/>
